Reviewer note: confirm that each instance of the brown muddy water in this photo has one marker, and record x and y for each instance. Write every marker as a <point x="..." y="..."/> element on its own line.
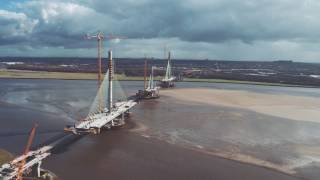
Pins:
<point x="165" y="138"/>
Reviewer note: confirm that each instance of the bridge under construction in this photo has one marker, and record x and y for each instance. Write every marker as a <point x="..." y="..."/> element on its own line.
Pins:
<point x="106" y="112"/>
<point x="30" y="161"/>
<point x="150" y="90"/>
<point x="168" y="80"/>
<point x="104" y="115"/>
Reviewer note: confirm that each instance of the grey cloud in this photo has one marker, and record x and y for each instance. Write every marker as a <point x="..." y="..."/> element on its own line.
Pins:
<point x="213" y="20"/>
<point x="15" y="27"/>
<point x="189" y="20"/>
<point x="233" y="24"/>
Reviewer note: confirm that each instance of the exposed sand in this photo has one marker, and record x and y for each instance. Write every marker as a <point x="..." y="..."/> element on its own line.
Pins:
<point x="284" y="106"/>
<point x="139" y="127"/>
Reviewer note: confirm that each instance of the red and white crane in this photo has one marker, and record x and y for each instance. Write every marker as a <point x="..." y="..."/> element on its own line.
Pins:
<point x="100" y="37"/>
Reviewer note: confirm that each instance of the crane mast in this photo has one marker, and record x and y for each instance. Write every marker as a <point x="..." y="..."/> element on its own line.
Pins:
<point x="99" y="36"/>
<point x="145" y="74"/>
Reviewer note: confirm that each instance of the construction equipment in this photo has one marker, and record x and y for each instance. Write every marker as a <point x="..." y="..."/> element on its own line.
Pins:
<point x="108" y="114"/>
<point x="29" y="163"/>
<point x="113" y="113"/>
<point x="145" y="75"/>
<point x="168" y="80"/>
<point x="115" y="37"/>
<point x="150" y="91"/>
<point x="99" y="36"/>
<point x="26" y="151"/>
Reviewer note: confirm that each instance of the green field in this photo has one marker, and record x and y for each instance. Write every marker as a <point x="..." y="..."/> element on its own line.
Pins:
<point x="5" y="156"/>
<point x="22" y="74"/>
<point x="44" y="75"/>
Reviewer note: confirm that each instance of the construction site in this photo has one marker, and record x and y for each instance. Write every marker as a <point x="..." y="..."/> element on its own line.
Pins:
<point x="106" y="129"/>
<point x="159" y="90"/>
<point x="150" y="90"/>
<point x="109" y="110"/>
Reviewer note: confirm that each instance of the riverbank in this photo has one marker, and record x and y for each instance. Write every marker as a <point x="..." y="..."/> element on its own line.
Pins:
<point x="283" y="106"/>
<point x="23" y="74"/>
<point x="243" y="82"/>
<point x="276" y="131"/>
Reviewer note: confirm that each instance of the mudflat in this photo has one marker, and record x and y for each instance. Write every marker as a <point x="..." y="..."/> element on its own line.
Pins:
<point x="127" y="155"/>
<point x="285" y="106"/>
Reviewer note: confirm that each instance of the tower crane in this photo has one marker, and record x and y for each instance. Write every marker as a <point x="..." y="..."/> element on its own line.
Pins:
<point x="100" y="37"/>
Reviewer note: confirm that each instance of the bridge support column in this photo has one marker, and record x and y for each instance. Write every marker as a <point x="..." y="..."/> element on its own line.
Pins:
<point x="127" y="113"/>
<point x="39" y="169"/>
<point x="122" y="119"/>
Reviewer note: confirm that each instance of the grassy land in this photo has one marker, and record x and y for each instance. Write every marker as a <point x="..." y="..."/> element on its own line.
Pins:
<point x="5" y="156"/>
<point x="122" y="77"/>
<point x="21" y="74"/>
<point x="44" y="75"/>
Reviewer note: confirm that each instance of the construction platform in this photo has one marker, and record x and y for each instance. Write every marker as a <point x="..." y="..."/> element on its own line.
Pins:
<point x="148" y="94"/>
<point x="150" y="91"/>
<point x="168" y="80"/>
<point x="104" y="120"/>
<point x="105" y="115"/>
<point x="167" y="83"/>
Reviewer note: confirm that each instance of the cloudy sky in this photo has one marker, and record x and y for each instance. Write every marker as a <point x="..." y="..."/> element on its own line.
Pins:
<point x="201" y="29"/>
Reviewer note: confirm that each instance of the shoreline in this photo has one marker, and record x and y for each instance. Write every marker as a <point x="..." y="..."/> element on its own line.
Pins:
<point x="246" y="83"/>
<point x="287" y="107"/>
<point x="140" y="129"/>
<point x="25" y="74"/>
<point x="283" y="106"/>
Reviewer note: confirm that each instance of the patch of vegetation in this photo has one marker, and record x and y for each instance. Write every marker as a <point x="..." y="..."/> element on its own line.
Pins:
<point x="22" y="74"/>
<point x="5" y="156"/>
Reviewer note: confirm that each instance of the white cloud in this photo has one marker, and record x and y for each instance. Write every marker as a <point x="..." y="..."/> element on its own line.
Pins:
<point x="15" y="24"/>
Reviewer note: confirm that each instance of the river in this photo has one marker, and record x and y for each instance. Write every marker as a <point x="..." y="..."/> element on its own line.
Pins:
<point x="164" y="138"/>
